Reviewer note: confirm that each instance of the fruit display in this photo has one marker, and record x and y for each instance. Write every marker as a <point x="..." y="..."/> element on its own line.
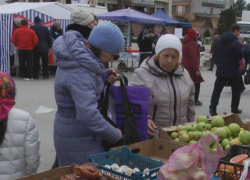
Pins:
<point x="230" y="172"/>
<point x="228" y="135"/>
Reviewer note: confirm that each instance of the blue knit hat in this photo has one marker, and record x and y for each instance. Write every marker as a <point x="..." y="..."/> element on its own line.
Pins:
<point x="107" y="37"/>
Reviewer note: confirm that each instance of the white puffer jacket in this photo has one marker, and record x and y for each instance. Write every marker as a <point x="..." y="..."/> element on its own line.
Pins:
<point x="19" y="152"/>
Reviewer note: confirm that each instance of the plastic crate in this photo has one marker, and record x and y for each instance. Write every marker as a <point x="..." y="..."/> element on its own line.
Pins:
<point x="124" y="156"/>
<point x="234" y="150"/>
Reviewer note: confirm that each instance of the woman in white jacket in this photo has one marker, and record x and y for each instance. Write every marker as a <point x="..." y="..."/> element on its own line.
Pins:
<point x="19" y="138"/>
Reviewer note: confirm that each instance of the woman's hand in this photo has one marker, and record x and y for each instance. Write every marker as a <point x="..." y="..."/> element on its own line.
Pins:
<point x="112" y="76"/>
<point x="151" y="128"/>
<point x="198" y="73"/>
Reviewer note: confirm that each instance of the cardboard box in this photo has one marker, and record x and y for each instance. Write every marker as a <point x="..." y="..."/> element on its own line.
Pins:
<point x="228" y="117"/>
<point x="54" y="174"/>
<point x="207" y="63"/>
<point x="157" y="149"/>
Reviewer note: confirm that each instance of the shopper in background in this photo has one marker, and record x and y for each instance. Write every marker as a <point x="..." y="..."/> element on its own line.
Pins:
<point x="212" y="51"/>
<point x="26" y="40"/>
<point x="191" y="61"/>
<point x="145" y="46"/>
<point x="243" y="67"/>
<point x="42" y="49"/>
<point x="19" y="138"/>
<point x="79" y="128"/>
<point x="83" y="22"/>
<point x="171" y="88"/>
<point x="56" y="31"/>
<point x="228" y="55"/>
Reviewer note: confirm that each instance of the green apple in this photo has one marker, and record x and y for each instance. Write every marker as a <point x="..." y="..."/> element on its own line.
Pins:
<point x="201" y="126"/>
<point x="194" y="128"/>
<point x="189" y="128"/>
<point x="236" y="142"/>
<point x="194" y="135"/>
<point x="235" y="128"/>
<point x="227" y="147"/>
<point x="229" y="132"/>
<point x="174" y="135"/>
<point x="245" y="137"/>
<point x="217" y="121"/>
<point x="184" y="138"/>
<point x="182" y="132"/>
<point x="181" y="128"/>
<point x="231" y="138"/>
<point x="192" y="142"/>
<point x="225" y="142"/>
<point x="213" y="129"/>
<point x="221" y="133"/>
<point x="177" y="139"/>
<point x="204" y="133"/>
<point x="202" y="119"/>
<point x="209" y="126"/>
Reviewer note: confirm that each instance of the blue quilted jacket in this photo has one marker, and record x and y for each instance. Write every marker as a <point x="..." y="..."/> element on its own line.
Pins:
<point x="79" y="128"/>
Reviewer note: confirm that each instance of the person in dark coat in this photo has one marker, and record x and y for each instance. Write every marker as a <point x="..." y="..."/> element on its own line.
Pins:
<point x="216" y="37"/>
<point x="42" y="49"/>
<point x="191" y="61"/>
<point x="56" y="30"/>
<point x="228" y="56"/>
<point x="245" y="51"/>
<point x="145" y="45"/>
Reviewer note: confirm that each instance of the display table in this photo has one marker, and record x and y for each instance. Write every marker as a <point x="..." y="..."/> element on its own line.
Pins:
<point x="133" y="56"/>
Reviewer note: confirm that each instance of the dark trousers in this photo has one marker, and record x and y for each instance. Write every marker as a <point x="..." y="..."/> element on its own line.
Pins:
<point x="143" y="57"/>
<point x="25" y="63"/>
<point x="197" y="92"/>
<point x="212" y="63"/>
<point x="36" y="68"/>
<point x="218" y="87"/>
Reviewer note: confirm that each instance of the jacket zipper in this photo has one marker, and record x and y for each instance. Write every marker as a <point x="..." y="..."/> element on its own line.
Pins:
<point x="154" y="113"/>
<point x="175" y="99"/>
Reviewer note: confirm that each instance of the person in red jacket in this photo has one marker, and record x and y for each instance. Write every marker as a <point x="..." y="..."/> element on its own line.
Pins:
<point x="191" y="61"/>
<point x="26" y="40"/>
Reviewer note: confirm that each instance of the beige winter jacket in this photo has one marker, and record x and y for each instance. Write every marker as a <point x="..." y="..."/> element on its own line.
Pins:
<point x="171" y="98"/>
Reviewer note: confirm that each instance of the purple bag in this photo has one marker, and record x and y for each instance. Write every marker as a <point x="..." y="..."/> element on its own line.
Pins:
<point x="138" y="98"/>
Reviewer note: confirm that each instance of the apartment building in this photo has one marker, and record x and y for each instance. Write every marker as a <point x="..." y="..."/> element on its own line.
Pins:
<point x="198" y="11"/>
<point x="146" y="6"/>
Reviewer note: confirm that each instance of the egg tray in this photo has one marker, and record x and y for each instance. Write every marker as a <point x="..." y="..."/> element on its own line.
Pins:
<point x="122" y="157"/>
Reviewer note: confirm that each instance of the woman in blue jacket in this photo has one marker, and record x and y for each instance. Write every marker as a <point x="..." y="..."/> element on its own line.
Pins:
<point x="79" y="128"/>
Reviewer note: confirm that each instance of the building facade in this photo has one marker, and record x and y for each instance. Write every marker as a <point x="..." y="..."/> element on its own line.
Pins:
<point x="198" y="11"/>
<point x="146" y="6"/>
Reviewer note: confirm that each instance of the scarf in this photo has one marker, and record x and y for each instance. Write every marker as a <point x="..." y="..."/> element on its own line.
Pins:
<point x="7" y="94"/>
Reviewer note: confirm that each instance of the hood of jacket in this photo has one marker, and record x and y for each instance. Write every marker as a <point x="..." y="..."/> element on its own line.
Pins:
<point x="70" y="52"/>
<point x="188" y="39"/>
<point x="227" y="38"/>
<point x="149" y="65"/>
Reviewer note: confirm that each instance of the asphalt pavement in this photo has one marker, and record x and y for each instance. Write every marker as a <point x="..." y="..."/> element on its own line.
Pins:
<point x="32" y="94"/>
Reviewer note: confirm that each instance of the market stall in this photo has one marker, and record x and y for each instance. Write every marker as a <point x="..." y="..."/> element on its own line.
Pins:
<point x="168" y="21"/>
<point x="48" y="12"/>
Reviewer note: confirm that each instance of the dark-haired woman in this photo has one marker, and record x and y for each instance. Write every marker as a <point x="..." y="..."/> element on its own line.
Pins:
<point x="19" y="138"/>
<point x="79" y="127"/>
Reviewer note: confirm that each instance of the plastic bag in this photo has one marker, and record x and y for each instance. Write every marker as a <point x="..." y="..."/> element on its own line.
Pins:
<point x="44" y="110"/>
<point x="193" y="162"/>
<point x="246" y="173"/>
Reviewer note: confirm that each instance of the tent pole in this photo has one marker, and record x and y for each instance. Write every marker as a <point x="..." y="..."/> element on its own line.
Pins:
<point x="128" y="36"/>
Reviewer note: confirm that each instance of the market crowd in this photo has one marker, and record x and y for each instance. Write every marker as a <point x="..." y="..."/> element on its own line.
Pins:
<point x="171" y="73"/>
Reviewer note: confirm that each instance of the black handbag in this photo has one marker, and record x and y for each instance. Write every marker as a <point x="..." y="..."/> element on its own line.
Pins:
<point x="129" y="130"/>
<point x="247" y="77"/>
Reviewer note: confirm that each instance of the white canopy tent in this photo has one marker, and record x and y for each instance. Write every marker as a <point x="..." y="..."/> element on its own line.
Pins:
<point x="48" y="12"/>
